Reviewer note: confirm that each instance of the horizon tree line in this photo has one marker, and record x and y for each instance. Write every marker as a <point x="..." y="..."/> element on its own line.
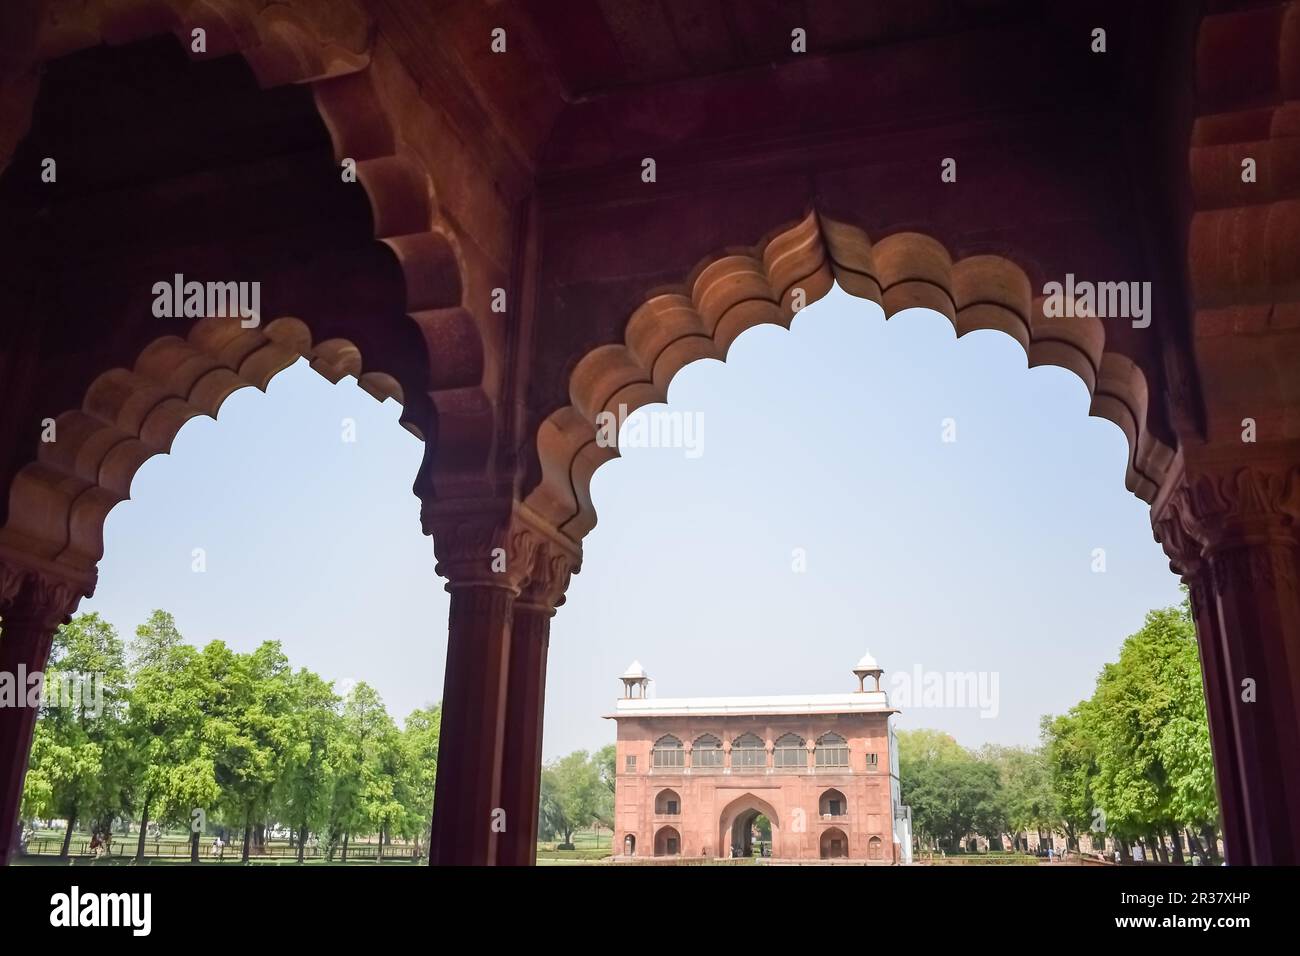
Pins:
<point x="1132" y="762"/>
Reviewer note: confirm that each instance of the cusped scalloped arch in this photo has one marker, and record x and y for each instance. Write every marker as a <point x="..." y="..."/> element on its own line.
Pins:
<point x="280" y="46"/>
<point x="59" y="502"/>
<point x="738" y="290"/>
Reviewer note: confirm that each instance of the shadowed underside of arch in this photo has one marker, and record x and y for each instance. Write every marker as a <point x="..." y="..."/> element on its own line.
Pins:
<point x="733" y="292"/>
<point x="58" y="503"/>
<point x="277" y="41"/>
<point x="59" y="498"/>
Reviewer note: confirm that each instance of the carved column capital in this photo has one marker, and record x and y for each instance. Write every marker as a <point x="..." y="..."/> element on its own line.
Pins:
<point x="1226" y="508"/>
<point x="36" y="598"/>
<point x="554" y="565"/>
<point x="11" y="582"/>
<point x="501" y="544"/>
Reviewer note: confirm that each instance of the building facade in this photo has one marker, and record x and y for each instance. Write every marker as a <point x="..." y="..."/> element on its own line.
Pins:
<point x="792" y="778"/>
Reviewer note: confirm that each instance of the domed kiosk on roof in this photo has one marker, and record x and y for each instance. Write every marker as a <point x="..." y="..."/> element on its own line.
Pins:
<point x="867" y="667"/>
<point x="635" y="680"/>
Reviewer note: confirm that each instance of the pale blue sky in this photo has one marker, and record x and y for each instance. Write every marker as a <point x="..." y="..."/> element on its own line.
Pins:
<point x="974" y="555"/>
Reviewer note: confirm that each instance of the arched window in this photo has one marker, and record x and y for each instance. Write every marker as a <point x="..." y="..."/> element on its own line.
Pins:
<point x="832" y="804"/>
<point x="668" y="754"/>
<point x="668" y="803"/>
<point x="748" y="753"/>
<point x="834" y="844"/>
<point x="706" y="753"/>
<point x="791" y="753"/>
<point x="832" y="751"/>
<point x="668" y="842"/>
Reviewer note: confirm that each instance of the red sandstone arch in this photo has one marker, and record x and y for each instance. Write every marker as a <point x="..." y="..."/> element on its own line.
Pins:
<point x="59" y="502"/>
<point x="823" y="803"/>
<point x="875" y="849"/>
<point x="834" y="844"/>
<point x="733" y="292"/>
<point x="662" y="799"/>
<point x="661" y="845"/>
<point x="744" y="804"/>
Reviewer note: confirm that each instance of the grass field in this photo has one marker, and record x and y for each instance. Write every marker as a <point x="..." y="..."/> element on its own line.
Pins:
<point x="172" y="849"/>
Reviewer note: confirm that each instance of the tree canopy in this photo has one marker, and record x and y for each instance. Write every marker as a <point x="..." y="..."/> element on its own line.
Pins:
<point x="208" y="738"/>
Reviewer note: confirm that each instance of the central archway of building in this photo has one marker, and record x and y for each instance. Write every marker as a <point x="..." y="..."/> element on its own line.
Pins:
<point x="748" y="826"/>
<point x="751" y="835"/>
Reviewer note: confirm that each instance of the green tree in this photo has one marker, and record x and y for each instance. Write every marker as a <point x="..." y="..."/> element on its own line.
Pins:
<point x="253" y="732"/>
<point x="420" y="759"/>
<point x="574" y="794"/>
<point x="154" y="641"/>
<point x="950" y="790"/>
<point x="1147" y="721"/>
<point x="1071" y="756"/>
<point x="81" y="761"/>
<point x="166" y="720"/>
<point x="605" y="760"/>
<point x="364" y="720"/>
<point x="1026" y="796"/>
<point x="381" y="797"/>
<point x="302" y="797"/>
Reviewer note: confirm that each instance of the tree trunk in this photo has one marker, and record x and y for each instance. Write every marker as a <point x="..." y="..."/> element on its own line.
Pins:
<point x="1124" y="855"/>
<point x="194" y="845"/>
<point x="344" y="858"/>
<point x="144" y="828"/>
<point x="379" y="853"/>
<point x="1211" y="843"/>
<point x="1196" y="846"/>
<point x="248" y="834"/>
<point x="302" y="841"/>
<point x="1178" y="845"/>
<point x="1157" y="843"/>
<point x="67" y="834"/>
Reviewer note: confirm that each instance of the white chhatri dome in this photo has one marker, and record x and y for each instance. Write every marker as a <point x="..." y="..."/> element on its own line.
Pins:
<point x="868" y="663"/>
<point x="634" y="671"/>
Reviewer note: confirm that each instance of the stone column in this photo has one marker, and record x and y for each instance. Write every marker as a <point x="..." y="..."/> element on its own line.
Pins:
<point x="485" y="559"/>
<point x="530" y="636"/>
<point x="32" y="607"/>
<point x="1219" y="711"/>
<point x="1232" y="530"/>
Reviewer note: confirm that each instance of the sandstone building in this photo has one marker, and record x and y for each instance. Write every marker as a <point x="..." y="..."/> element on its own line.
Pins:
<point x="695" y="775"/>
